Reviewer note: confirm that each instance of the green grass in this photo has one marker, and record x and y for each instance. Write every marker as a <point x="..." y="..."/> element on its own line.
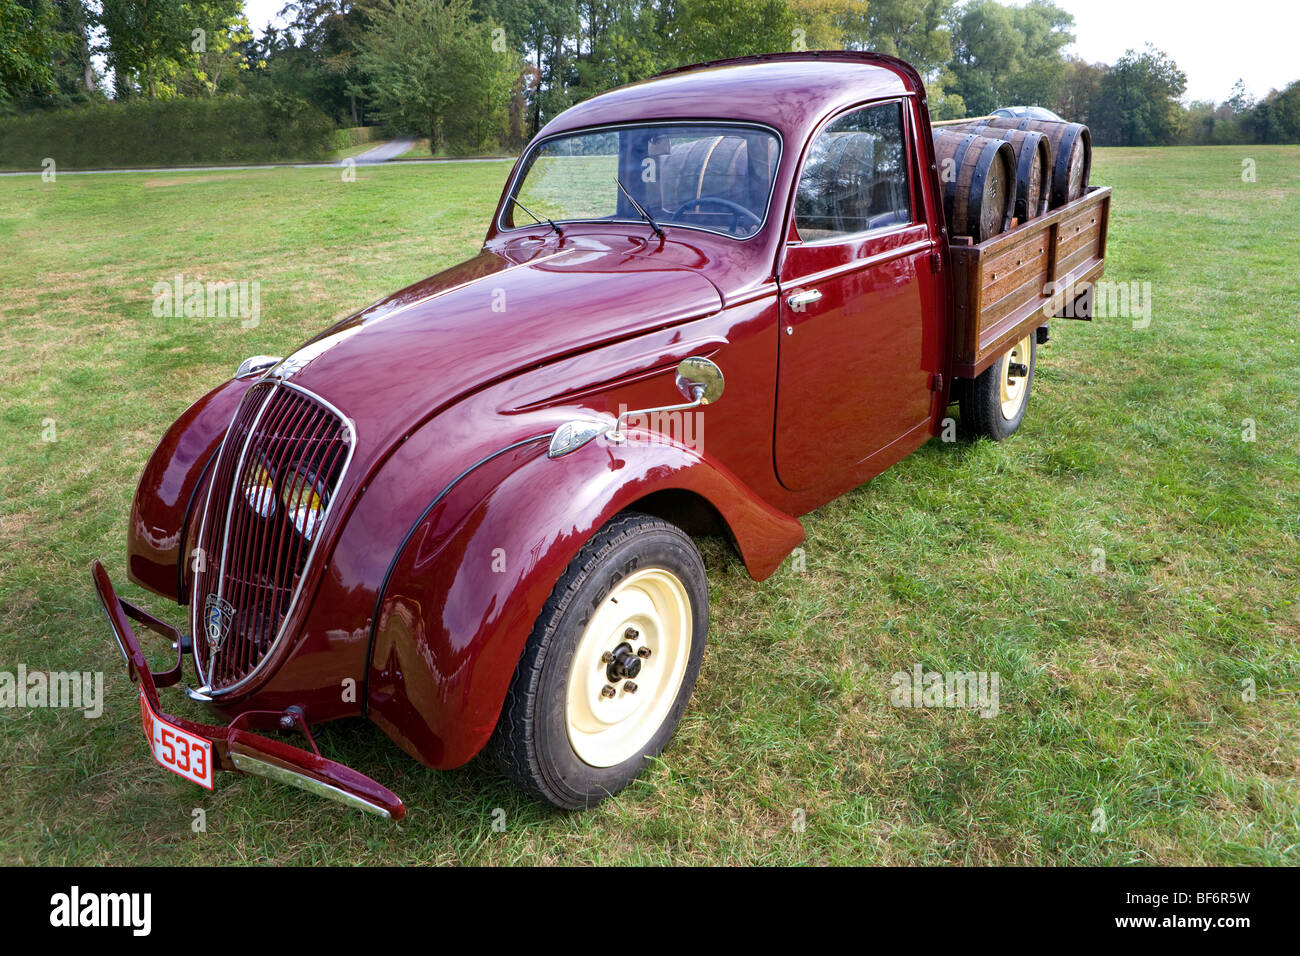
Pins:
<point x="1119" y="689"/>
<point x="419" y="150"/>
<point x="570" y="187"/>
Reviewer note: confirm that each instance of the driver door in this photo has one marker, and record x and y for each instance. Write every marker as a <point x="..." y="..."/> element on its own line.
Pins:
<point x="858" y="309"/>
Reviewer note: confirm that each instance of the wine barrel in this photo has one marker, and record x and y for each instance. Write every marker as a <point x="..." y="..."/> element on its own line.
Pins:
<point x="978" y="176"/>
<point x="848" y="170"/>
<point x="1071" y="149"/>
<point x="710" y="166"/>
<point x="848" y="187"/>
<point x="1033" y="166"/>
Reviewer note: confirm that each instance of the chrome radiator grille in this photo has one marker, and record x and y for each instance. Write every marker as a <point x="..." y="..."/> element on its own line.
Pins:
<point x="271" y="491"/>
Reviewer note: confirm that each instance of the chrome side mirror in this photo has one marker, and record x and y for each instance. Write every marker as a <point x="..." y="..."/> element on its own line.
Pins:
<point x="699" y="379"/>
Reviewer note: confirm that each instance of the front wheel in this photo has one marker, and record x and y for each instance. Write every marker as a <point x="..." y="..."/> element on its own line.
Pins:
<point x="993" y="404"/>
<point x="610" y="664"/>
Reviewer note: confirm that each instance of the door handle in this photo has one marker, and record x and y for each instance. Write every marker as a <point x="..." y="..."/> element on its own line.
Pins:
<point x="800" y="300"/>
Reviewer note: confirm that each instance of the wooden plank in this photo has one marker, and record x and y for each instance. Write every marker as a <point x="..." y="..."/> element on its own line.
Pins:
<point x="1104" y="226"/>
<point x="1031" y="265"/>
<point x="1029" y="292"/>
<point x="965" y="256"/>
<point x="1003" y="259"/>
<point x="1082" y="233"/>
<point x="1071" y="264"/>
<point x="1053" y="234"/>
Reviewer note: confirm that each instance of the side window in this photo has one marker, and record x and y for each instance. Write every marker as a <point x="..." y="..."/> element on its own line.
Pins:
<point x="855" y="177"/>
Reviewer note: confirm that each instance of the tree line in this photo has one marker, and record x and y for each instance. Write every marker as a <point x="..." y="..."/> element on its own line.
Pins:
<point x="480" y="75"/>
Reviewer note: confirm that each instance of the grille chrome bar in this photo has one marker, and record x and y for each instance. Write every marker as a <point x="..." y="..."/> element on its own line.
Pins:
<point x="255" y="560"/>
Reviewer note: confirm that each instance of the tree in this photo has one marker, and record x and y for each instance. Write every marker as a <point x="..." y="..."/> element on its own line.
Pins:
<point x="219" y="34"/>
<point x="824" y="24"/>
<point x="29" y="41"/>
<point x="987" y="48"/>
<point x="716" y="29"/>
<point x="145" y="44"/>
<point x="74" y="70"/>
<point x="621" y="38"/>
<point x="1259" y="125"/>
<point x="1139" y="101"/>
<point x="1199" y="129"/>
<point x="1041" y="74"/>
<point x="548" y="33"/>
<point x="317" y="56"/>
<point x="1009" y="56"/>
<point x="433" y="70"/>
<point x="1285" y="107"/>
<point x="1239" y="100"/>
<point x="1079" y="94"/>
<point x="486" y="72"/>
<point x="919" y="31"/>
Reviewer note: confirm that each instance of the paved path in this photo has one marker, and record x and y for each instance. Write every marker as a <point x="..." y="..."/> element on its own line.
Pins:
<point x="385" y="151"/>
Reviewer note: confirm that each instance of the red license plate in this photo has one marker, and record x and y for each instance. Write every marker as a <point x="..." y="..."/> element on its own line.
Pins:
<point x="178" y="750"/>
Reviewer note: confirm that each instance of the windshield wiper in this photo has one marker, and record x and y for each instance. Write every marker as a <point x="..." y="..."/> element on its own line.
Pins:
<point x="549" y="222"/>
<point x="641" y="209"/>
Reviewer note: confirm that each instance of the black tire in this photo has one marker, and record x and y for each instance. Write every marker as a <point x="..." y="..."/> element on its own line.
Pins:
<point x="531" y="743"/>
<point x="980" y="399"/>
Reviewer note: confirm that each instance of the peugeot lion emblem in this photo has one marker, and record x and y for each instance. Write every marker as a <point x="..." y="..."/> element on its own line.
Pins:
<point x="218" y="615"/>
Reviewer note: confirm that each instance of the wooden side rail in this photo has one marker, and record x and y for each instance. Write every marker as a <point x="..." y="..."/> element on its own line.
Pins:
<point x="1011" y="284"/>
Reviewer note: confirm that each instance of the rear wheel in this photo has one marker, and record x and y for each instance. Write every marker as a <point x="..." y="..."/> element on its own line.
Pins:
<point x="993" y="404"/>
<point x="610" y="664"/>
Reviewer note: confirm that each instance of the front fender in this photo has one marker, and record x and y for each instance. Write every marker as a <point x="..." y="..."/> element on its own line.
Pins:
<point x="164" y="498"/>
<point x="469" y="581"/>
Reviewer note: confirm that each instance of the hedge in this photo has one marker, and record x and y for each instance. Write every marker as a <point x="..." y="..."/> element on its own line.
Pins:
<point x="168" y="133"/>
<point x="350" y="136"/>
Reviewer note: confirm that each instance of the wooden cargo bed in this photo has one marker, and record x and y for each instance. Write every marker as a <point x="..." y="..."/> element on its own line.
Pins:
<point x="1009" y="285"/>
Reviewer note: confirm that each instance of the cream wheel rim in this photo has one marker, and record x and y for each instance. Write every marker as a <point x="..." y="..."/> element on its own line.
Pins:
<point x="1015" y="387"/>
<point x="645" y="619"/>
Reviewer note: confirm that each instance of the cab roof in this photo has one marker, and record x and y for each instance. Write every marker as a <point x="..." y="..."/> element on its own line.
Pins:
<point x="791" y="92"/>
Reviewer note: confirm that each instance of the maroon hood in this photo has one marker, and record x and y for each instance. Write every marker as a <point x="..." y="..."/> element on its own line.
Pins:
<point x="417" y="351"/>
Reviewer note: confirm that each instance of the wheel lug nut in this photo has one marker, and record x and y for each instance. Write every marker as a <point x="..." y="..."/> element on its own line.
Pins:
<point x="643" y="652"/>
<point x="630" y="687"/>
<point x="607" y="657"/>
<point x="631" y="634"/>
<point x="607" y="691"/>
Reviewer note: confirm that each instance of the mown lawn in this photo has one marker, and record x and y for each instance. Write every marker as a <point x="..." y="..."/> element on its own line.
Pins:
<point x="1125" y="692"/>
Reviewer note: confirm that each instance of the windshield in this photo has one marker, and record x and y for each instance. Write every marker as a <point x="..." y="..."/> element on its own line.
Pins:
<point x="712" y="177"/>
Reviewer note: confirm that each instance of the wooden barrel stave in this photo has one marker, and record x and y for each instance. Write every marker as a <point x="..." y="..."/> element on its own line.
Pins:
<point x="1033" y="166"/>
<point x="849" y="162"/>
<point x="978" y="183"/>
<point x="1071" y="145"/>
<point x="710" y="166"/>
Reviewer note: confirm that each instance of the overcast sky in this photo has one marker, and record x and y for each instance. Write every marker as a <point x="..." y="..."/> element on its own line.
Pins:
<point x="1213" y="43"/>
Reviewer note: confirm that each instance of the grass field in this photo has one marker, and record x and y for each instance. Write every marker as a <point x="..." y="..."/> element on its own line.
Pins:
<point x="1125" y="692"/>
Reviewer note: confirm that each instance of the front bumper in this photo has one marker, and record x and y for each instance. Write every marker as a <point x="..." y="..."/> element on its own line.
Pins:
<point x="233" y="747"/>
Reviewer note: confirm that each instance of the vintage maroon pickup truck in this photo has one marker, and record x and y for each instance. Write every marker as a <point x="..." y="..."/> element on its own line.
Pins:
<point x="466" y="512"/>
